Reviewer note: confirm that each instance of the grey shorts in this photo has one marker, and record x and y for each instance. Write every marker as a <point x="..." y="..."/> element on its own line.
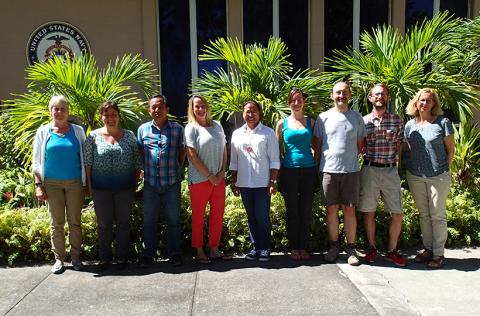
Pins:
<point x="380" y="182"/>
<point x="340" y="188"/>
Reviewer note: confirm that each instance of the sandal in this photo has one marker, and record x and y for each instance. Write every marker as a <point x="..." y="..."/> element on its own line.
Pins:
<point x="295" y="255"/>
<point x="219" y="255"/>
<point x="436" y="262"/>
<point x="203" y="260"/>
<point x="424" y="256"/>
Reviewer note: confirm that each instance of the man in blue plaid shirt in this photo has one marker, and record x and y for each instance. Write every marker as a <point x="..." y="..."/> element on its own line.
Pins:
<point x="161" y="144"/>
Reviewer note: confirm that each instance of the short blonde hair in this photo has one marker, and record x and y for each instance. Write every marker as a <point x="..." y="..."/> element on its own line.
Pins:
<point x="191" y="116"/>
<point x="56" y="100"/>
<point x="412" y="105"/>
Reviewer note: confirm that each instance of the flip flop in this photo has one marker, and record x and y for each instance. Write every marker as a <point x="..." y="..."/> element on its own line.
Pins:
<point x="203" y="261"/>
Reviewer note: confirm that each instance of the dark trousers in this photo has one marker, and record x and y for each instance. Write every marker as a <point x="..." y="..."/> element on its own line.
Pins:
<point x="113" y="207"/>
<point x="297" y="188"/>
<point x="257" y="205"/>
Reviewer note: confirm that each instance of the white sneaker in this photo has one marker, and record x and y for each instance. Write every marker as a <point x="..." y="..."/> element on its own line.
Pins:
<point x="352" y="257"/>
<point x="77" y="265"/>
<point x="57" y="267"/>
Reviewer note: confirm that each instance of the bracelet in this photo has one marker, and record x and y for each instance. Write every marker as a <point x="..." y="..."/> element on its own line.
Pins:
<point x="38" y="184"/>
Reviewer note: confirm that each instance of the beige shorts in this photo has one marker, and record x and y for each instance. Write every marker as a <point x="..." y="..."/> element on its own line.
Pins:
<point x="378" y="182"/>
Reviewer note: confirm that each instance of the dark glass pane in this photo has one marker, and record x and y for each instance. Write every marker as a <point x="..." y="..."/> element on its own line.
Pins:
<point x="293" y="20"/>
<point x="175" y="53"/>
<point x="211" y="24"/>
<point x="457" y="7"/>
<point x="338" y="25"/>
<point x="257" y="21"/>
<point x="373" y="13"/>
<point x="417" y="11"/>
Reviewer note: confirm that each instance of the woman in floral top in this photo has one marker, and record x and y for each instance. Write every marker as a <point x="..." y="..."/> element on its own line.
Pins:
<point x="112" y="165"/>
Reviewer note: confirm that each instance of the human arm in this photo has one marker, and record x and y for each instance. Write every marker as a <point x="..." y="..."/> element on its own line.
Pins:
<point x="200" y="166"/>
<point x="40" y="192"/>
<point x="272" y="185"/>
<point x="88" y="175"/>
<point x="449" y="142"/>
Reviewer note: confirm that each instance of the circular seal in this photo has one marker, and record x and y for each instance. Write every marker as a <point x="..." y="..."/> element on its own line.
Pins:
<point x="56" y="39"/>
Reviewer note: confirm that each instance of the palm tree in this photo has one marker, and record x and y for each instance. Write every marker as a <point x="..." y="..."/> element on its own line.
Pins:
<point x="255" y="73"/>
<point x="86" y="87"/>
<point x="406" y="64"/>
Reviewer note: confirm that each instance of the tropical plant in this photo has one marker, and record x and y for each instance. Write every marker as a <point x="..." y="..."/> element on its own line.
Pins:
<point x="406" y="64"/>
<point x="86" y="87"/>
<point x="254" y="73"/>
<point x="465" y="166"/>
<point x="465" y="57"/>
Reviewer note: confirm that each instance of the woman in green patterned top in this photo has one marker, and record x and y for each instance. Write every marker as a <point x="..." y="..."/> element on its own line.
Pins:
<point x="112" y="165"/>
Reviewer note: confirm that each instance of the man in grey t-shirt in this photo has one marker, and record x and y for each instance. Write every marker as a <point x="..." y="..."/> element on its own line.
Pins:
<point x="340" y="133"/>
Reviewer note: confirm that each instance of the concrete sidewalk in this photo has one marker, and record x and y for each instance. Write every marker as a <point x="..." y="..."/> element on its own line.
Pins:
<point x="279" y="287"/>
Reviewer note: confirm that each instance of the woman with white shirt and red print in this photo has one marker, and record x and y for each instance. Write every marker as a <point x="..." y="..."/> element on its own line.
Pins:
<point x="254" y="164"/>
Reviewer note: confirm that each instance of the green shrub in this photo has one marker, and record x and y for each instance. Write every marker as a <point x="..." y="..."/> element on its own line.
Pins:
<point x="25" y="237"/>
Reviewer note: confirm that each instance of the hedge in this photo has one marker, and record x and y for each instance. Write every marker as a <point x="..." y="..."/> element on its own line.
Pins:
<point x="24" y="233"/>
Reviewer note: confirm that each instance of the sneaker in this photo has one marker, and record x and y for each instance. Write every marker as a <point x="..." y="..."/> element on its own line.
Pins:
<point x="331" y="255"/>
<point x="77" y="265"/>
<point x="146" y="262"/>
<point x="252" y="255"/>
<point x="371" y="255"/>
<point x="396" y="258"/>
<point x="57" y="267"/>
<point x="352" y="257"/>
<point x="176" y="260"/>
<point x="264" y="256"/>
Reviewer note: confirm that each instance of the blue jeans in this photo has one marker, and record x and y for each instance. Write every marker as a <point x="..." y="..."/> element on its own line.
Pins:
<point x="167" y="198"/>
<point x="257" y="205"/>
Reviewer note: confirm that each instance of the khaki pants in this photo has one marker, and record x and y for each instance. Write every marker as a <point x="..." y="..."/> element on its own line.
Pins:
<point x="65" y="195"/>
<point x="430" y="195"/>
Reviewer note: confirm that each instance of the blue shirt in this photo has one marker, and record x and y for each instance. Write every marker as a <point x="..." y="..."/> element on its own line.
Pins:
<point x="62" y="157"/>
<point x="428" y="156"/>
<point x="160" y="148"/>
<point x="297" y="144"/>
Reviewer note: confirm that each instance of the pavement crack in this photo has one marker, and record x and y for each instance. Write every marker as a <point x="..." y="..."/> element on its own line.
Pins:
<point x="26" y="294"/>
<point x="192" y="303"/>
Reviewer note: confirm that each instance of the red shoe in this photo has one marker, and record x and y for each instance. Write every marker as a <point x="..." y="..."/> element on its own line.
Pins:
<point x="371" y="255"/>
<point x="396" y="258"/>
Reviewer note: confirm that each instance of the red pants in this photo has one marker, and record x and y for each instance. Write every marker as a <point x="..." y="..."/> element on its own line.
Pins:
<point x="200" y="194"/>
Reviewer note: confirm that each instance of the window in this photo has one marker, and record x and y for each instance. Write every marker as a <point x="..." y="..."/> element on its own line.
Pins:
<point x="175" y="53"/>
<point x="211" y="24"/>
<point x="257" y="21"/>
<point x="338" y="25"/>
<point x="416" y="11"/>
<point x="457" y="7"/>
<point x="293" y="26"/>
<point x="373" y="13"/>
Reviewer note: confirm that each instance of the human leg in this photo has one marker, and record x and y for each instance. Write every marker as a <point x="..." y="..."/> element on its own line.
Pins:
<point x="438" y="188"/>
<point x="56" y="208"/>
<point x="199" y="196"/>
<point x="104" y="209"/>
<point x="151" y="206"/>
<point x="262" y="218"/>
<point x="309" y="177"/>
<point x="171" y="206"/>
<point x="123" y="206"/>
<point x="418" y="188"/>
<point x="215" y="219"/>
<point x="290" y="189"/>
<point x="248" y="199"/>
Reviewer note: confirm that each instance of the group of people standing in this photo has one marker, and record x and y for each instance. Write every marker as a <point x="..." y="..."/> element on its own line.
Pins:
<point x="300" y="154"/>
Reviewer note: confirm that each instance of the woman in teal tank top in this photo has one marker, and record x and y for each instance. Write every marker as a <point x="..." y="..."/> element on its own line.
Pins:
<point x="298" y="176"/>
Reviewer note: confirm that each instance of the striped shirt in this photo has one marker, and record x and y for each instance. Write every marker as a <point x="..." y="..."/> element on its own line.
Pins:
<point x="383" y="135"/>
<point x="160" y="148"/>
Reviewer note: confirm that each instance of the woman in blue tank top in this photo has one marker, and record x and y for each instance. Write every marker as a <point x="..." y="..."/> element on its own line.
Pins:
<point x="298" y="176"/>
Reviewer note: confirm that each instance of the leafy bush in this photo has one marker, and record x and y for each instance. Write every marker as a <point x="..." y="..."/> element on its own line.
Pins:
<point x="24" y="233"/>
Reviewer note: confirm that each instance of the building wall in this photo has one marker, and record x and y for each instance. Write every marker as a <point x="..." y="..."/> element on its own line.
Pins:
<point x="112" y="27"/>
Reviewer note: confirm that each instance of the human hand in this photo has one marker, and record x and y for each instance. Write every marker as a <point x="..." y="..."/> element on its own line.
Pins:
<point x="40" y="193"/>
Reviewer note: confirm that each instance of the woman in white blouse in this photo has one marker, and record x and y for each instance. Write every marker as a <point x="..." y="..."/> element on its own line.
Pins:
<point x="254" y="163"/>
